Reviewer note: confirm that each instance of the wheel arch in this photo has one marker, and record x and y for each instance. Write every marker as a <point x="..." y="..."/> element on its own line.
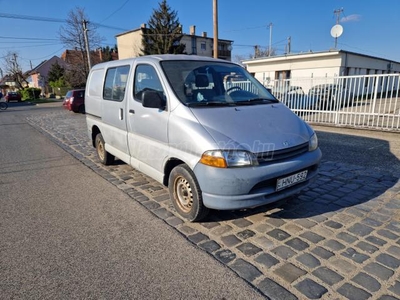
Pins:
<point x="95" y="131"/>
<point x="169" y="166"/>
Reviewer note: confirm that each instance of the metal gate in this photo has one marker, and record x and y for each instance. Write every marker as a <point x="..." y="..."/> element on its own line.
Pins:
<point x="365" y="101"/>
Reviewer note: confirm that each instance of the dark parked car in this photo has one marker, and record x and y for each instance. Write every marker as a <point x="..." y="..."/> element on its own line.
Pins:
<point x="330" y="96"/>
<point x="294" y="97"/>
<point x="75" y="101"/>
<point x="13" y="96"/>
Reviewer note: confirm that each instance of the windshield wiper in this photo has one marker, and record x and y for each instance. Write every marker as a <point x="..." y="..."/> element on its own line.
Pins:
<point x="209" y="103"/>
<point x="256" y="101"/>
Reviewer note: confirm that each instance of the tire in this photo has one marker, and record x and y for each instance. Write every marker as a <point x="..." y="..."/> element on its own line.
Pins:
<point x="3" y="105"/>
<point x="104" y="157"/>
<point x="186" y="194"/>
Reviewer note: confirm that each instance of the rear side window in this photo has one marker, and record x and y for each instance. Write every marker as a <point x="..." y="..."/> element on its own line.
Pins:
<point x="115" y="83"/>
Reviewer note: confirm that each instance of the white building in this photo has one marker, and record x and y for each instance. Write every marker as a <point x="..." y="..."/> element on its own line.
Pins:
<point x="324" y="64"/>
<point x="130" y="44"/>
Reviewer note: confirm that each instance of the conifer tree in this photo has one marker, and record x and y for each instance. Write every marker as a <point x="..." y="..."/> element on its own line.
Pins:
<point x="164" y="33"/>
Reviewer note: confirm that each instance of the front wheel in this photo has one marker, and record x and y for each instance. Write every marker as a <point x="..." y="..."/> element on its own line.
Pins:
<point x="3" y="105"/>
<point x="105" y="157"/>
<point x="186" y="194"/>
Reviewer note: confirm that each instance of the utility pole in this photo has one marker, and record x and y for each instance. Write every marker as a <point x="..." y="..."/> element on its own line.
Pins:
<point x="85" y="30"/>
<point x="289" y="44"/>
<point x="270" y="39"/>
<point x="215" y="17"/>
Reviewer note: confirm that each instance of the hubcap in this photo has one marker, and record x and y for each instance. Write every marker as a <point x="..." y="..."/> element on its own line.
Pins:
<point x="184" y="194"/>
<point x="100" y="150"/>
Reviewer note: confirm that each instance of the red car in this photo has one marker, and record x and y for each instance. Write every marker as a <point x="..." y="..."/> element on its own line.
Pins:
<point x="75" y="101"/>
<point x="13" y="96"/>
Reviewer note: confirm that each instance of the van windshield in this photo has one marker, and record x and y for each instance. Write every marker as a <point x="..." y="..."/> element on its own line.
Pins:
<point x="209" y="83"/>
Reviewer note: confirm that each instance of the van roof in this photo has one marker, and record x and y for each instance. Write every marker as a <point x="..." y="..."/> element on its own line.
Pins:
<point x="157" y="58"/>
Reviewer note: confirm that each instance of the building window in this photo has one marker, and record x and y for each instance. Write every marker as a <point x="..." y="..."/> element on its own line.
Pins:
<point x="203" y="46"/>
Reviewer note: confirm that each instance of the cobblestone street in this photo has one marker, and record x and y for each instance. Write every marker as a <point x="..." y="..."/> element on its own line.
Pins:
<point x="338" y="239"/>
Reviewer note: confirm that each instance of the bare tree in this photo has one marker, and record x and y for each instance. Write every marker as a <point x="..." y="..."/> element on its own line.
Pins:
<point x="72" y="36"/>
<point x="14" y="70"/>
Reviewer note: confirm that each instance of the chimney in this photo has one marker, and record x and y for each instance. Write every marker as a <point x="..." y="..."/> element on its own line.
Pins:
<point x="204" y="34"/>
<point x="193" y="30"/>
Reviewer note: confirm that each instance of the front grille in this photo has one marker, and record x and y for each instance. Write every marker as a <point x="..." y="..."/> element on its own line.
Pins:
<point x="275" y="155"/>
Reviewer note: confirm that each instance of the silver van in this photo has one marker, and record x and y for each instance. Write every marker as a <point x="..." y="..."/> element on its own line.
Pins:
<point x="203" y="127"/>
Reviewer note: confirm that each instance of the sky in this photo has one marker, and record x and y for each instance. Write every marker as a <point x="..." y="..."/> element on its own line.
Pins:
<point x="370" y="27"/>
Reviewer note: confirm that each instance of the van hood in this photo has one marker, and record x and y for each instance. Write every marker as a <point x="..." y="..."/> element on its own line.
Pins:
<point x="256" y="128"/>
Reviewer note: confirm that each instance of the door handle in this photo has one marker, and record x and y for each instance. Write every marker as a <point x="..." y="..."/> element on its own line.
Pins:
<point x="131" y="111"/>
<point x="121" y="114"/>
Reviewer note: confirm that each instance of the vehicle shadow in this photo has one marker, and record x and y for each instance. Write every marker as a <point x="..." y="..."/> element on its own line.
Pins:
<point x="354" y="171"/>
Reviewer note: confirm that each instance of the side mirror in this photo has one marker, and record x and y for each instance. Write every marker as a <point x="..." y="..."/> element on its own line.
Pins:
<point x="153" y="99"/>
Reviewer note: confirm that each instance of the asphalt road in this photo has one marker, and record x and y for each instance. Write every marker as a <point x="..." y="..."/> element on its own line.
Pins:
<point x="66" y="233"/>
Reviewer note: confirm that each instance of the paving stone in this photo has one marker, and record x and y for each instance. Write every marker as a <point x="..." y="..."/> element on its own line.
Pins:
<point x="395" y="288"/>
<point x="305" y="223"/>
<point x="289" y="272"/>
<point x="225" y="256"/>
<point x="248" y="249"/>
<point x="334" y="245"/>
<point x="162" y="213"/>
<point x="375" y="240"/>
<point x="266" y="260"/>
<point x="151" y="205"/>
<point x="278" y="234"/>
<point x="245" y="269"/>
<point x="275" y="222"/>
<point x="263" y="228"/>
<point x="187" y="230"/>
<point x="360" y="229"/>
<point x="371" y="222"/>
<point x="394" y="226"/>
<point x="174" y="221"/>
<point x="354" y="255"/>
<point x="221" y="230"/>
<point x="367" y="247"/>
<point x="297" y="244"/>
<point x="292" y="229"/>
<point x="353" y="293"/>
<point x="328" y="276"/>
<point x="264" y="242"/>
<point x="378" y="270"/>
<point x="333" y="224"/>
<point x="342" y="266"/>
<point x="274" y="291"/>
<point x="230" y="240"/>
<point x="321" y="252"/>
<point x="210" y="225"/>
<point x="242" y="223"/>
<point x="311" y="289"/>
<point x="245" y="234"/>
<point x="387" y="297"/>
<point x="309" y="260"/>
<point x="387" y="234"/>
<point x="312" y="237"/>
<point x="197" y="238"/>
<point x="283" y="252"/>
<point x="394" y="250"/>
<point x="366" y="281"/>
<point x="210" y="246"/>
<point x="388" y="260"/>
<point x="347" y="237"/>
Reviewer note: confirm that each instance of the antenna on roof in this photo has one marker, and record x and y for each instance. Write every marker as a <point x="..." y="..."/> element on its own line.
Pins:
<point x="337" y="30"/>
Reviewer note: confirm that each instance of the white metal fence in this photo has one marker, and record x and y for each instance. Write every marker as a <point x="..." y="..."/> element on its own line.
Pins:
<point x="365" y="101"/>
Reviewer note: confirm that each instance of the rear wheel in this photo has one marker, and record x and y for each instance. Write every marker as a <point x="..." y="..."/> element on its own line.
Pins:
<point x="105" y="157"/>
<point x="186" y="194"/>
<point x="82" y="109"/>
<point x="3" y="105"/>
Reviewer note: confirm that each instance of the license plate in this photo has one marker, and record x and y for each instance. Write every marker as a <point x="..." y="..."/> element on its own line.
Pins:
<point x="285" y="182"/>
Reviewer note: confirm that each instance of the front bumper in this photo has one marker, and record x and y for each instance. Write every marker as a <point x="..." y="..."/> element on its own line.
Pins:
<point x="236" y="188"/>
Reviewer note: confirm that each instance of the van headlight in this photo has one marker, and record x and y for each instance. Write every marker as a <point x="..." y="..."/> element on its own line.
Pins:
<point x="313" y="142"/>
<point x="228" y="158"/>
